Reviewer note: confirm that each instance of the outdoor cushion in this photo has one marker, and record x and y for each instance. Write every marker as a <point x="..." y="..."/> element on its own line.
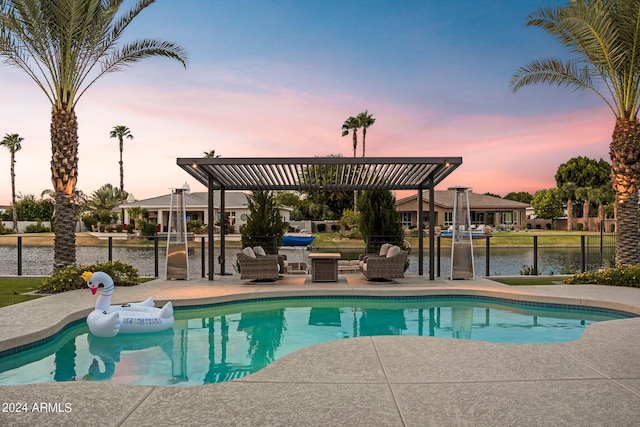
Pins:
<point x="249" y="252"/>
<point x="393" y="251"/>
<point x="384" y="249"/>
<point x="259" y="251"/>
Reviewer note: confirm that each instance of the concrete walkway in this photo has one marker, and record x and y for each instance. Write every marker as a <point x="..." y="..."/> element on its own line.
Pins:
<point x="368" y="381"/>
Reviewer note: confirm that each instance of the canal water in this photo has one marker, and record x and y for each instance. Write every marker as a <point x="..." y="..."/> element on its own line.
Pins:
<point x="38" y="261"/>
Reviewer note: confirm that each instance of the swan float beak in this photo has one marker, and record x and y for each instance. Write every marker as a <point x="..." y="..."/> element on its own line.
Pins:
<point x="86" y="276"/>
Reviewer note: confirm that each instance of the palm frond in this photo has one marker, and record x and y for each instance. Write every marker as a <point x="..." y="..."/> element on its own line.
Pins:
<point x="604" y="40"/>
<point x="66" y="45"/>
<point x="556" y="73"/>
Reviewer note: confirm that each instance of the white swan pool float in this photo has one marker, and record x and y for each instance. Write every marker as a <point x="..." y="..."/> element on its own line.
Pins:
<point x="109" y="320"/>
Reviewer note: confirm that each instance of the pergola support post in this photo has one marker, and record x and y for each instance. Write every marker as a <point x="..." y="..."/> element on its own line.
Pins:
<point x="223" y="232"/>
<point x="420" y="234"/>
<point x="432" y="230"/>
<point x="211" y="223"/>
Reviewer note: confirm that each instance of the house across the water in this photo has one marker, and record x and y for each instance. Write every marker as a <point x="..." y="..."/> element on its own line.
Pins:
<point x="501" y="214"/>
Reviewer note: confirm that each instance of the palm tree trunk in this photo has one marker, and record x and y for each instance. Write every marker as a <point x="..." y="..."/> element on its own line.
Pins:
<point x="585" y="215"/>
<point x="569" y="215"/>
<point x="13" y="191"/>
<point x="600" y="217"/>
<point x="364" y="136"/>
<point x="355" y="192"/>
<point x="121" y="168"/>
<point x="64" y="175"/>
<point x="625" y="153"/>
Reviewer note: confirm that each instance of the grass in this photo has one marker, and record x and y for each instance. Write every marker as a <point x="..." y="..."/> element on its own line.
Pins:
<point x="13" y="288"/>
<point x="528" y="280"/>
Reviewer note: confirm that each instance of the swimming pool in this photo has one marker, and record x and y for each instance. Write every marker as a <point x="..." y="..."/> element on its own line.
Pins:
<point x="217" y="343"/>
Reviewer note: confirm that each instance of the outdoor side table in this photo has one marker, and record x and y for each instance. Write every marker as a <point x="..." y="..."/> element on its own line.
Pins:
<point x="324" y="267"/>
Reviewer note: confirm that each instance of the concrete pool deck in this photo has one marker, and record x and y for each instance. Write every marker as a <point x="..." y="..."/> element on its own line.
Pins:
<point x="367" y="381"/>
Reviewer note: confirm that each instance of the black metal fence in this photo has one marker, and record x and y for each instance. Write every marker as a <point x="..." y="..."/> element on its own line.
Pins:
<point x="596" y="251"/>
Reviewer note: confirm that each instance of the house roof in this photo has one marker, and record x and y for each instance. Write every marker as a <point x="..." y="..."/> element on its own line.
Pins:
<point x="444" y="199"/>
<point x="195" y="200"/>
<point x="320" y="173"/>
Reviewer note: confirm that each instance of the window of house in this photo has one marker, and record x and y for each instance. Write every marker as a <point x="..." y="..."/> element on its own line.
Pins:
<point x="405" y="218"/>
<point x="448" y="218"/>
<point x="477" y="218"/>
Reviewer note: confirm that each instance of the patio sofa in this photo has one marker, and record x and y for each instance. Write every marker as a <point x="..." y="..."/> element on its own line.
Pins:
<point x="389" y="263"/>
<point x="255" y="264"/>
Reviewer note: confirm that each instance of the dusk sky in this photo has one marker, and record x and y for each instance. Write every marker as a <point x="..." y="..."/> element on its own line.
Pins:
<point x="278" y="78"/>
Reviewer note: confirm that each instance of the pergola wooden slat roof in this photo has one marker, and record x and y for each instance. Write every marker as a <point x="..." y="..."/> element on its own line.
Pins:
<point x="321" y="173"/>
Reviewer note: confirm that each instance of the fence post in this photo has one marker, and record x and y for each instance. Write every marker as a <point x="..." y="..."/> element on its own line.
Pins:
<point x="439" y="253"/>
<point x="203" y="264"/>
<point x="19" y="255"/>
<point x="535" y="255"/>
<point x="110" y="256"/>
<point x="155" y="255"/>
<point x="583" y="255"/>
<point x="488" y="252"/>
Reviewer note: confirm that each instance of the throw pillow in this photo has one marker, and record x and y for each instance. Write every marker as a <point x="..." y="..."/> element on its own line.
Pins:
<point x="249" y="252"/>
<point x="393" y="251"/>
<point x="259" y="251"/>
<point x="384" y="249"/>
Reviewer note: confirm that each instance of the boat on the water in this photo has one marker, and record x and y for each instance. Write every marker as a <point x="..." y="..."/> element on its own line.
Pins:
<point x="479" y="232"/>
<point x="297" y="239"/>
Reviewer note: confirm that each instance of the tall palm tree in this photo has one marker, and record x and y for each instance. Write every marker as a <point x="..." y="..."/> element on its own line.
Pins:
<point x="604" y="39"/>
<point x="351" y="125"/>
<point x="121" y="132"/>
<point x="65" y="46"/>
<point x="210" y="154"/>
<point x="12" y="142"/>
<point x="365" y="120"/>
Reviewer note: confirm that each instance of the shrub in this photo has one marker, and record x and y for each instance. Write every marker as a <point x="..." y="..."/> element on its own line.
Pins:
<point x="70" y="277"/>
<point x="89" y="222"/>
<point x="37" y="228"/>
<point x="4" y="230"/>
<point x="529" y="270"/>
<point x="618" y="276"/>
<point x="196" y="226"/>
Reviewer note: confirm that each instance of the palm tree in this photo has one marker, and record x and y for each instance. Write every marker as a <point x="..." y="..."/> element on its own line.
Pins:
<point x="604" y="39"/>
<point x="121" y="132"/>
<point x="210" y="154"/>
<point x="351" y="125"/>
<point x="567" y="192"/>
<point x="65" y="46"/>
<point x="365" y="120"/>
<point x="12" y="142"/>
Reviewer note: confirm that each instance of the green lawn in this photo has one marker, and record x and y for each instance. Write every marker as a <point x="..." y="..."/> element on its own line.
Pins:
<point x="12" y="288"/>
<point x="528" y="280"/>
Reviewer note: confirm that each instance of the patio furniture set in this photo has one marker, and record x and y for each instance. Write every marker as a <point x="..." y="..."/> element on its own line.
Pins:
<point x="388" y="263"/>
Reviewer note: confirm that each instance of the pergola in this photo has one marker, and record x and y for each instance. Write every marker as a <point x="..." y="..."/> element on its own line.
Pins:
<point x="321" y="173"/>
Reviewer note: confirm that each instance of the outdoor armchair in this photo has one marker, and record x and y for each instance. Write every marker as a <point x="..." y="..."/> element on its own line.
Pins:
<point x="387" y="267"/>
<point x="258" y="267"/>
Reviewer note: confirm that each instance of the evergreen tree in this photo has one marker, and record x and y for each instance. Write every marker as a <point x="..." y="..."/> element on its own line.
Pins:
<point x="379" y="220"/>
<point x="265" y="226"/>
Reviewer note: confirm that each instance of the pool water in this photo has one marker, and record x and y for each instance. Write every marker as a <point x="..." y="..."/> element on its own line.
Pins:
<point x="228" y="341"/>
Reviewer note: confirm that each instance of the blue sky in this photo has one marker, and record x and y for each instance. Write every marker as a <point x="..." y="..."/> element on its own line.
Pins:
<point x="278" y="78"/>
